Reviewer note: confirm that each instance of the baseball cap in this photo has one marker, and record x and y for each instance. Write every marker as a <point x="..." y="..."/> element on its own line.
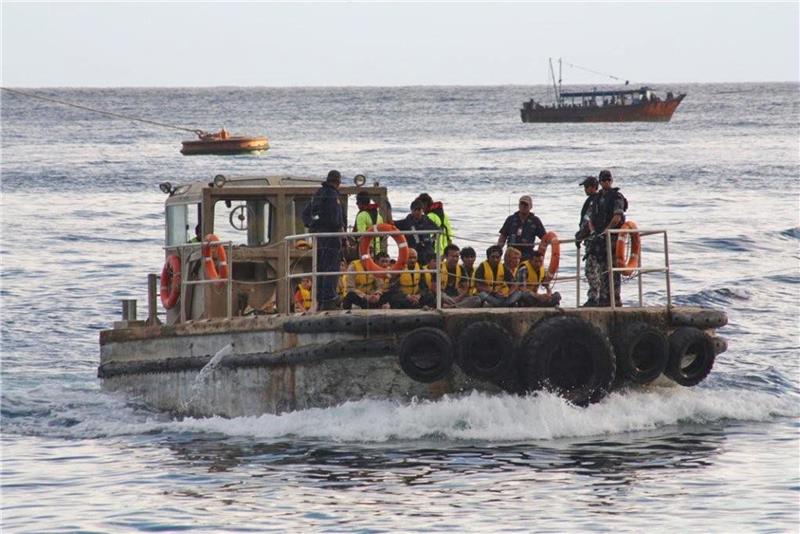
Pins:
<point x="605" y="175"/>
<point x="526" y="199"/>
<point x="589" y="180"/>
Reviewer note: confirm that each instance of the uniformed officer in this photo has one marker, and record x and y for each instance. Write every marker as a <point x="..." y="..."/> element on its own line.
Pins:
<point x="522" y="228"/>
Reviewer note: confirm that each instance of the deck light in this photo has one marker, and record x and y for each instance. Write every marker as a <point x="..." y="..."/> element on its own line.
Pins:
<point x="219" y="180"/>
<point x="166" y="188"/>
<point x="359" y="180"/>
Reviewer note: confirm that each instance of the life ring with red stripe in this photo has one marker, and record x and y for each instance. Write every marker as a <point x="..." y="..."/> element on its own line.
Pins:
<point x="366" y="240"/>
<point x="630" y="261"/>
<point x="551" y="239"/>
<point x="213" y="255"/>
<point x="171" y="282"/>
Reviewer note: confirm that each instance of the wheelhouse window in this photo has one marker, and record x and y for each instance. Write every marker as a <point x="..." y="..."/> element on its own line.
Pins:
<point x="244" y="222"/>
<point x="181" y="222"/>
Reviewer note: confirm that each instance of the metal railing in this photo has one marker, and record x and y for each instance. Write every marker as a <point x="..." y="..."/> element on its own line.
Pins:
<point x="184" y="252"/>
<point x="315" y="274"/>
<point x="638" y="270"/>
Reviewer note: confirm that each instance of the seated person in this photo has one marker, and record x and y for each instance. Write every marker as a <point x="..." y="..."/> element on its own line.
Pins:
<point x="534" y="276"/>
<point x="454" y="282"/>
<point x="490" y="278"/>
<point x="302" y="297"/>
<point x="468" y="267"/>
<point x="363" y="288"/>
<point x="422" y="243"/>
<point x="411" y="289"/>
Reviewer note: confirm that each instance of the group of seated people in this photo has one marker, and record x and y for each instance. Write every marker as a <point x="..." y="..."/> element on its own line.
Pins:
<point x="502" y="280"/>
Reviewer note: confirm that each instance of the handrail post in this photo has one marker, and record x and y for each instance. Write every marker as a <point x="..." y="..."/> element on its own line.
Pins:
<point x="230" y="280"/>
<point x="578" y="279"/>
<point x="288" y="281"/>
<point x="610" y="265"/>
<point x="152" y="299"/>
<point x="639" y="275"/>
<point x="184" y="275"/>
<point x="666" y="272"/>
<point x="438" y="275"/>
<point x="314" y="275"/>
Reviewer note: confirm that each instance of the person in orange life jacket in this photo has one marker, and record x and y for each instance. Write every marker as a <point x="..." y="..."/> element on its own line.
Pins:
<point x="302" y="297"/>
<point x="364" y="289"/>
<point x="366" y="218"/>
<point x="422" y="243"/>
<point x="435" y="212"/>
<point x="468" y="257"/>
<point x="410" y="289"/>
<point x="521" y="228"/>
<point x="532" y="275"/>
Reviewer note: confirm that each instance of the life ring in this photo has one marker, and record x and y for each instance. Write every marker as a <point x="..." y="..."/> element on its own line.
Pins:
<point x="213" y="254"/>
<point x="569" y="356"/>
<point x="691" y="356"/>
<point x="630" y="263"/>
<point x="486" y="351"/>
<point x="171" y="282"/>
<point x="550" y="238"/>
<point x="366" y="240"/>
<point x="642" y="352"/>
<point x="426" y="354"/>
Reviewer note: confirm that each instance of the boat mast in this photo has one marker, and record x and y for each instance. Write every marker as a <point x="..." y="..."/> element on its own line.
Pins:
<point x="555" y="87"/>
<point x="559" y="78"/>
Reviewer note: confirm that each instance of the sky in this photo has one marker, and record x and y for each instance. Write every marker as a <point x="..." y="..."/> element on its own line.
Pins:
<point x="191" y="44"/>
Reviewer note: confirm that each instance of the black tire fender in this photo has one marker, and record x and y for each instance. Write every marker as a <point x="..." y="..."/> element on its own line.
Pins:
<point x="691" y="356"/>
<point x="486" y="351"/>
<point x="426" y="354"/>
<point x="570" y="356"/>
<point x="642" y="352"/>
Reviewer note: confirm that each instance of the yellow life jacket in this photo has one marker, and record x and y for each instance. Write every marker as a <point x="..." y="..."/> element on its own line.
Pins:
<point x="409" y="280"/>
<point x="533" y="279"/>
<point x="364" y="281"/>
<point x="342" y="287"/>
<point x="445" y="275"/>
<point x="471" y="287"/>
<point x="497" y="284"/>
<point x="305" y="296"/>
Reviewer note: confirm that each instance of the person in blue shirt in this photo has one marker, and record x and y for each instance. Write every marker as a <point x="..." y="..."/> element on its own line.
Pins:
<point x="521" y="229"/>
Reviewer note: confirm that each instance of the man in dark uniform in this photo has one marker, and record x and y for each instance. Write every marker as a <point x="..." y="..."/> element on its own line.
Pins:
<point x="610" y="215"/>
<point x="594" y="257"/>
<point x="327" y="216"/>
<point x="422" y="243"/>
<point x="522" y="228"/>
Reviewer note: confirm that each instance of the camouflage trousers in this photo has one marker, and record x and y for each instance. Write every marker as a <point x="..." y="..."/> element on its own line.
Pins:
<point x="597" y="276"/>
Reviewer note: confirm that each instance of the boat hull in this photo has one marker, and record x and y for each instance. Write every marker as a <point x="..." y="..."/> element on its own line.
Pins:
<point x="283" y="363"/>
<point x="658" y="111"/>
<point x="233" y="145"/>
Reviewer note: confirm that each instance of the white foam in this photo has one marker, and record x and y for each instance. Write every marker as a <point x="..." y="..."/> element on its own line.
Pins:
<point x="504" y="417"/>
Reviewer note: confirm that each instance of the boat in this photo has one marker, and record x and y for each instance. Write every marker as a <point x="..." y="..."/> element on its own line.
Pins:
<point x="226" y="342"/>
<point x="221" y="143"/>
<point x="604" y="105"/>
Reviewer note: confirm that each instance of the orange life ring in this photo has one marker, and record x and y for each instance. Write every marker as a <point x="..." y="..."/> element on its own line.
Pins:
<point x="366" y="241"/>
<point x="550" y="238"/>
<point x="632" y="262"/>
<point x="171" y="282"/>
<point x="213" y="254"/>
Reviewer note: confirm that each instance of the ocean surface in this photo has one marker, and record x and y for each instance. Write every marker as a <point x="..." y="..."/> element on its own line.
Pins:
<point x="82" y="225"/>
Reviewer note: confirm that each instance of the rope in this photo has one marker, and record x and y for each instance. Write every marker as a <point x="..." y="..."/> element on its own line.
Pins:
<point x="596" y="72"/>
<point x="110" y="114"/>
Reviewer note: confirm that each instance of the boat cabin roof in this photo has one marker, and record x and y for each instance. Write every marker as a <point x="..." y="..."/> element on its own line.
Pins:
<point x="579" y="94"/>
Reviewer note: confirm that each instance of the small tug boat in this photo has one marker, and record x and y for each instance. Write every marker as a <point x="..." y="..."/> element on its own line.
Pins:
<point x="221" y="143"/>
<point x="230" y="345"/>
<point x="627" y="105"/>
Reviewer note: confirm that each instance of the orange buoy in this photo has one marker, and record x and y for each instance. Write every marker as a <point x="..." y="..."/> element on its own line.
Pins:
<point x="213" y="254"/>
<point x="366" y="240"/>
<point x="171" y="282"/>
<point x="621" y="258"/>
<point x="551" y="239"/>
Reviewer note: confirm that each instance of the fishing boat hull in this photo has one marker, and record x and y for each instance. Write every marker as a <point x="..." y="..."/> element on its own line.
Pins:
<point x="273" y="364"/>
<point x="232" y="145"/>
<point x="652" y="111"/>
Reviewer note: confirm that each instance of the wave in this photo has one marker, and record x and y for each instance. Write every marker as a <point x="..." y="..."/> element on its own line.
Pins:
<point x="791" y="233"/>
<point x="532" y="148"/>
<point x="714" y="297"/>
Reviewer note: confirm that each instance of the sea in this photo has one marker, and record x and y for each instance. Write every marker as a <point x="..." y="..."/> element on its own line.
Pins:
<point x="83" y="225"/>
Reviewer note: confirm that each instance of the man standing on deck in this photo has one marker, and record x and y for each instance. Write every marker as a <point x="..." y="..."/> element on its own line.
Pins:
<point x="366" y="218"/>
<point x="435" y="212"/>
<point x="422" y="243"/>
<point x="324" y="214"/>
<point x="609" y="215"/>
<point x="593" y="259"/>
<point x="522" y="228"/>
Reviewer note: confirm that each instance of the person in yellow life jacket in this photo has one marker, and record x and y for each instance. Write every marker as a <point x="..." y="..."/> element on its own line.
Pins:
<point x="302" y="297"/>
<point x="341" y="286"/>
<point x="454" y="284"/>
<point x="533" y="276"/>
<point x="411" y="288"/>
<point x="366" y="218"/>
<point x="435" y="212"/>
<point x="363" y="288"/>
<point x="468" y="267"/>
<point x="490" y="278"/>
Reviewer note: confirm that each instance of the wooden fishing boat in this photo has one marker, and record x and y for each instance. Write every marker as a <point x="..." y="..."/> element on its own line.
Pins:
<point x="221" y="143"/>
<point x="626" y="105"/>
